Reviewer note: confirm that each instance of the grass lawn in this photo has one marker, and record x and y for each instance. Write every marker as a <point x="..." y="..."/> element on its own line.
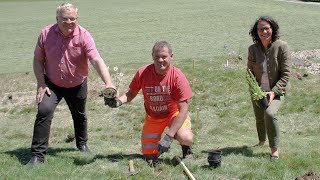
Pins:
<point x="221" y="113"/>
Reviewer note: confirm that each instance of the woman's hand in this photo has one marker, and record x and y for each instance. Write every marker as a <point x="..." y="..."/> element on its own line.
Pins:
<point x="271" y="95"/>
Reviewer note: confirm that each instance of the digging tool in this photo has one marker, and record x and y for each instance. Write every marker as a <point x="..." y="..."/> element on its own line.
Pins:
<point x="131" y="168"/>
<point x="186" y="170"/>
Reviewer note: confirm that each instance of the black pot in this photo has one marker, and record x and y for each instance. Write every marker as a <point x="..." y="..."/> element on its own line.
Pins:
<point x="263" y="103"/>
<point x="214" y="157"/>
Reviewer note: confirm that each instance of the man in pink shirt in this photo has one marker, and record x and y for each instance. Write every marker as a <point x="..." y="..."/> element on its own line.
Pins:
<point x="61" y="68"/>
<point x="166" y="92"/>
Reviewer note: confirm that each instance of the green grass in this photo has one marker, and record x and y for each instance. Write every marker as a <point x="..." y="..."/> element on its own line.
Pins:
<point x="125" y="31"/>
<point x="220" y="109"/>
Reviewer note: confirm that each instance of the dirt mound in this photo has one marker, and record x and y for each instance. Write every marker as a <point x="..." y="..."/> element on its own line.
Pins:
<point x="309" y="176"/>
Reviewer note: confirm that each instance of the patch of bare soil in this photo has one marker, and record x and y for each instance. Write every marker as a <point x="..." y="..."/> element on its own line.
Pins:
<point x="15" y="99"/>
<point x="309" y="176"/>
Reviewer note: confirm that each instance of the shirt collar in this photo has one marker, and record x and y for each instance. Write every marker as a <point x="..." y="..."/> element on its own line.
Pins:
<point x="262" y="47"/>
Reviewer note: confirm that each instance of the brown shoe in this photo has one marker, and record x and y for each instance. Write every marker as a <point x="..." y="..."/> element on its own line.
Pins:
<point x="259" y="144"/>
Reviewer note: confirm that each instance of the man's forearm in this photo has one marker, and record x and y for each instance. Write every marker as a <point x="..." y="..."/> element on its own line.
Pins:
<point x="38" y="69"/>
<point x="176" y="124"/>
<point x="128" y="96"/>
<point x="102" y="70"/>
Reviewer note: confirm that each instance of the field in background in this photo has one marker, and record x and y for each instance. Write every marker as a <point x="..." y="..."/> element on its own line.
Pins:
<point x="204" y="35"/>
<point x="125" y="30"/>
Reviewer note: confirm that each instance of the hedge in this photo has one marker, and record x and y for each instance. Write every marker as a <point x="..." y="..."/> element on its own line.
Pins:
<point x="311" y="0"/>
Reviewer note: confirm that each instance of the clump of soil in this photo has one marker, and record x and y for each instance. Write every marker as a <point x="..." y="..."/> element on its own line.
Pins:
<point x="309" y="176"/>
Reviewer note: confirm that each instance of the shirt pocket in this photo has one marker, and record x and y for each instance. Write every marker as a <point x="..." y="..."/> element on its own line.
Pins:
<point x="75" y="51"/>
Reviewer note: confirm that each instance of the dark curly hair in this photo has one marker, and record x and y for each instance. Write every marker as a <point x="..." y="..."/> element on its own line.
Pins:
<point x="274" y="26"/>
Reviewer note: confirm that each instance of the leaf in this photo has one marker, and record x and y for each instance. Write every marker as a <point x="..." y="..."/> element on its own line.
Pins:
<point x="255" y="90"/>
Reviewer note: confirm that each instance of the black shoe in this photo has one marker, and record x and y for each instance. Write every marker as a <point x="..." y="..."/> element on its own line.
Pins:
<point x="34" y="161"/>
<point x="84" y="149"/>
<point x="187" y="152"/>
<point x="152" y="159"/>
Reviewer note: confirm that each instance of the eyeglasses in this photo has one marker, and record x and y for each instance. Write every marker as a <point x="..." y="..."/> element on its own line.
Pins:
<point x="72" y="19"/>
<point x="264" y="29"/>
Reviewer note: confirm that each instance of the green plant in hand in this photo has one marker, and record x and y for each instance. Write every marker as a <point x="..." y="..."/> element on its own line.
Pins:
<point x="256" y="92"/>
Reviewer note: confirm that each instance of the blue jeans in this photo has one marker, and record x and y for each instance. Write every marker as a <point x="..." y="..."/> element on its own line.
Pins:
<point x="267" y="121"/>
<point x="75" y="98"/>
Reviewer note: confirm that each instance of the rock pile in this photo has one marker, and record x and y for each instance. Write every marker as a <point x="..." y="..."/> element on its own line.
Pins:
<point x="309" y="59"/>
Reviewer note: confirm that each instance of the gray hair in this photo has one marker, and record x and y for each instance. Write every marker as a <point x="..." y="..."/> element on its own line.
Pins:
<point x="160" y="45"/>
<point x="65" y="6"/>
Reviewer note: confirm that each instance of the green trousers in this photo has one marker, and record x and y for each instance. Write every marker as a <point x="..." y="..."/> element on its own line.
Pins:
<point x="267" y="121"/>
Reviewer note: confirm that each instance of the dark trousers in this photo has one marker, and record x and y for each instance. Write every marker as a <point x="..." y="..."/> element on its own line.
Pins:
<point x="75" y="98"/>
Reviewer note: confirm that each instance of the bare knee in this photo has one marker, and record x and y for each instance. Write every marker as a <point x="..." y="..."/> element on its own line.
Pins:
<point x="185" y="139"/>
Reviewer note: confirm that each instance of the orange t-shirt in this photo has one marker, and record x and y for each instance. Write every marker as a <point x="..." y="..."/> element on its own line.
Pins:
<point x="161" y="93"/>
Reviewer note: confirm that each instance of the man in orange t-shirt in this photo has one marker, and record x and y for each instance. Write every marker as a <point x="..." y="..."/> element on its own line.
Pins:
<point x="166" y="92"/>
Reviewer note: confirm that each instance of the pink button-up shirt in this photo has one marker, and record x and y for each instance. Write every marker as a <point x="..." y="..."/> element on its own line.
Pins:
<point x="66" y="58"/>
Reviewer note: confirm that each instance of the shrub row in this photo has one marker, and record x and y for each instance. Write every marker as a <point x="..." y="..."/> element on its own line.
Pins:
<point x="310" y="0"/>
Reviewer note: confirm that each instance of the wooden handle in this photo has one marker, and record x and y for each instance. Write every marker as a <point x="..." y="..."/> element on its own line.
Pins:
<point x="131" y="168"/>
<point x="186" y="170"/>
